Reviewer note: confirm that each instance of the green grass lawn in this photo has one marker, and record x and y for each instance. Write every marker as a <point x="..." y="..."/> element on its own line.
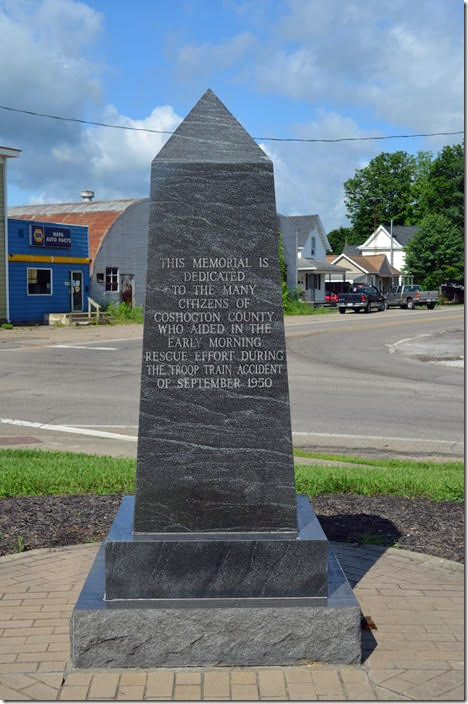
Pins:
<point x="439" y="481"/>
<point x="37" y="473"/>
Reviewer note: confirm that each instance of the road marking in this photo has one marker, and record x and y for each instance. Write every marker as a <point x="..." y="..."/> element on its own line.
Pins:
<point x="391" y="347"/>
<point x="375" y="437"/>
<point x="82" y="347"/>
<point x="371" y="326"/>
<point x="41" y="347"/>
<point x="68" y="429"/>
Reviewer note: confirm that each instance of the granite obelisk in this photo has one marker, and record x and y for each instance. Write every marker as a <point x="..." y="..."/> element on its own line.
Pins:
<point x="215" y="559"/>
<point x="215" y="451"/>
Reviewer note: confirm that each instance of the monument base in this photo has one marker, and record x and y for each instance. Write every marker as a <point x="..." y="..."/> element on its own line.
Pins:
<point x="199" y="632"/>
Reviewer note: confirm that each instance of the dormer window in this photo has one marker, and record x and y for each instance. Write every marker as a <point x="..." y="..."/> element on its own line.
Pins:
<point x="312" y="246"/>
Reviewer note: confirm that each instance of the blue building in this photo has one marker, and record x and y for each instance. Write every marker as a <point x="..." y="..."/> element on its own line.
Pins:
<point x="48" y="269"/>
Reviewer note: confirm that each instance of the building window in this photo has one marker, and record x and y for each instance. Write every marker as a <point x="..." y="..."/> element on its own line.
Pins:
<point x="39" y="282"/>
<point x="312" y="246"/>
<point x="317" y="281"/>
<point x="112" y="278"/>
<point x="100" y="278"/>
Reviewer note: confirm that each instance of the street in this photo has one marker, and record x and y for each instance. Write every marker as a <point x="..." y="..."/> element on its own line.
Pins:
<point x="350" y="390"/>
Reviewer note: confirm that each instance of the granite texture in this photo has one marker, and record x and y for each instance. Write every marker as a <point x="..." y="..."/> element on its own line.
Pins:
<point x="196" y="632"/>
<point x="215" y="449"/>
<point x="216" y="566"/>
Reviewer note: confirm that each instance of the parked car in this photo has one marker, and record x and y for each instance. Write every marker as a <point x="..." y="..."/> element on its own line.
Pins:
<point x="362" y="297"/>
<point x="411" y="296"/>
<point x="331" y="297"/>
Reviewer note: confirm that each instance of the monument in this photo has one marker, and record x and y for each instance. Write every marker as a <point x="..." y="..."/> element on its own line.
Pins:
<point x="215" y="560"/>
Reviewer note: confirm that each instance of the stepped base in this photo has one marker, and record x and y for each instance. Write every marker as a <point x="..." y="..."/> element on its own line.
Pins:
<point x="242" y="631"/>
<point x="216" y="565"/>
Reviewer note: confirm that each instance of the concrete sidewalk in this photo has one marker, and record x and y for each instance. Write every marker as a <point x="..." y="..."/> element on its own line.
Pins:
<point x="416" y="652"/>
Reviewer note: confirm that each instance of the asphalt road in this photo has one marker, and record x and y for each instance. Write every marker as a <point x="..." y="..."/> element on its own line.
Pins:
<point x="354" y="385"/>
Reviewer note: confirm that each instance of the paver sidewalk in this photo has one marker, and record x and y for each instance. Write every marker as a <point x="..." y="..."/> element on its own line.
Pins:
<point x="416" y="652"/>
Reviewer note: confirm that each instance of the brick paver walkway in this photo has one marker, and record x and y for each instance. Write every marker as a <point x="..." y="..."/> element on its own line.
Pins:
<point x="416" y="652"/>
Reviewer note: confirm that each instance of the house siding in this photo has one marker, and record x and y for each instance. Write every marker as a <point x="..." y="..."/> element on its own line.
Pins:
<point x="27" y="308"/>
<point x="125" y="248"/>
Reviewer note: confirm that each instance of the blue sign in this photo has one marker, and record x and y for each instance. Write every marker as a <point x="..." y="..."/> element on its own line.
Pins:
<point x="57" y="237"/>
<point x="43" y="236"/>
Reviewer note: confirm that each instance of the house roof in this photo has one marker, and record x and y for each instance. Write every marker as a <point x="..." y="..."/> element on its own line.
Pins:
<point x="304" y="264"/>
<point x="372" y="264"/>
<point x="97" y="215"/>
<point x="402" y="233"/>
<point x="301" y="226"/>
<point x="351" y="249"/>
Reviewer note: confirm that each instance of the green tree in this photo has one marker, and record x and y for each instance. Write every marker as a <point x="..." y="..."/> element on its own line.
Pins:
<point x="442" y="188"/>
<point x="435" y="253"/>
<point x="380" y="192"/>
<point x="341" y="236"/>
<point x="422" y="168"/>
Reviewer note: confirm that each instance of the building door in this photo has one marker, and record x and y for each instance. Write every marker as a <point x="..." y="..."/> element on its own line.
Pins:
<point x="76" y="288"/>
<point x="127" y="289"/>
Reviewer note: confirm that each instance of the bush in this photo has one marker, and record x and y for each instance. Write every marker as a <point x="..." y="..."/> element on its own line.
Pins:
<point x="122" y="313"/>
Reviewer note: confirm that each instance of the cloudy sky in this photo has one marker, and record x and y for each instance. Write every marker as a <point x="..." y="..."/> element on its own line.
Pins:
<point x="285" y="68"/>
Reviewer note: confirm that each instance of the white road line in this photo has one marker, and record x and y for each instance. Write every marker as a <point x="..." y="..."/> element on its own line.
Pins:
<point x="68" y="429"/>
<point x="374" y="437"/>
<point x="83" y="347"/>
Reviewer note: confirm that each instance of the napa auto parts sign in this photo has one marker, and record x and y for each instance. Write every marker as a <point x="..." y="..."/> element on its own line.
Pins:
<point x="50" y="236"/>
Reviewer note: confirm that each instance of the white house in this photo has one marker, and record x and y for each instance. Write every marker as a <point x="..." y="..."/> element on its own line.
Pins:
<point x="372" y="269"/>
<point x="390" y="241"/>
<point x="305" y="248"/>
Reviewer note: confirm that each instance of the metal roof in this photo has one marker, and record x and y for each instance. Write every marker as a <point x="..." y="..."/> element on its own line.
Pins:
<point x="97" y="215"/>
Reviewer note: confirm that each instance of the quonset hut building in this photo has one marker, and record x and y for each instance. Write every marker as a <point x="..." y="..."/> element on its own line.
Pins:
<point x="118" y="236"/>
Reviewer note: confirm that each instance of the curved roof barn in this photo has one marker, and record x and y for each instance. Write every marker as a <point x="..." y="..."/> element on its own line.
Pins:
<point x="98" y="216"/>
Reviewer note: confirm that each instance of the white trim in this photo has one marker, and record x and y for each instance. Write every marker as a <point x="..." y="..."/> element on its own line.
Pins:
<point x="117" y="290"/>
<point x="76" y="271"/>
<point x="381" y="229"/>
<point x="41" y="268"/>
<point x="364" y="271"/>
<point x="9" y="152"/>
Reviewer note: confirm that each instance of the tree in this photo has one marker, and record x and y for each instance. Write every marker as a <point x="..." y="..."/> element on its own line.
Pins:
<point x="442" y="190"/>
<point x="435" y="253"/>
<point x="380" y="192"/>
<point x="341" y="236"/>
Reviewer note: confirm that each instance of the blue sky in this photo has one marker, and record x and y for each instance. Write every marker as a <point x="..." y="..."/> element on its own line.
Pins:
<point x="285" y="68"/>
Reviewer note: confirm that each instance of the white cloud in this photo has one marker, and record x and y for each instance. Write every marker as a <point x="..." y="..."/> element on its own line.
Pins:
<point x="52" y="75"/>
<point x="309" y="177"/>
<point x="401" y="60"/>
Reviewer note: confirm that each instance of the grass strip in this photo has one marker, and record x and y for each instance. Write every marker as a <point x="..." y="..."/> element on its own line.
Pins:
<point x="439" y="481"/>
<point x="39" y="472"/>
<point x="379" y="462"/>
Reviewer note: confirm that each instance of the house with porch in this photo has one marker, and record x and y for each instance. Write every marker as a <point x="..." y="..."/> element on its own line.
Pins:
<point x="305" y="249"/>
<point x="371" y="269"/>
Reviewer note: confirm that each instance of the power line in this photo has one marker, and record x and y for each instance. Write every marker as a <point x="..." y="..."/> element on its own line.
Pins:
<point x="262" y="139"/>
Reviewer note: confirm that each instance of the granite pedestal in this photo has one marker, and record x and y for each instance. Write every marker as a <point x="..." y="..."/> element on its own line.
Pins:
<point x="185" y="632"/>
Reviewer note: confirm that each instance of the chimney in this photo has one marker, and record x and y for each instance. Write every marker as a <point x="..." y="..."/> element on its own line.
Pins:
<point x="87" y="195"/>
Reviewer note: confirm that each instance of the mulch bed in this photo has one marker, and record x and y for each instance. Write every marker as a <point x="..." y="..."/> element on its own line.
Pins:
<point x="421" y="525"/>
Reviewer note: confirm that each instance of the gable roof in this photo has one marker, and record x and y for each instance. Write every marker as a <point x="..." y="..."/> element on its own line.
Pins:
<point x="97" y="215"/>
<point x="301" y="226"/>
<point x="402" y="233"/>
<point x="372" y="264"/>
